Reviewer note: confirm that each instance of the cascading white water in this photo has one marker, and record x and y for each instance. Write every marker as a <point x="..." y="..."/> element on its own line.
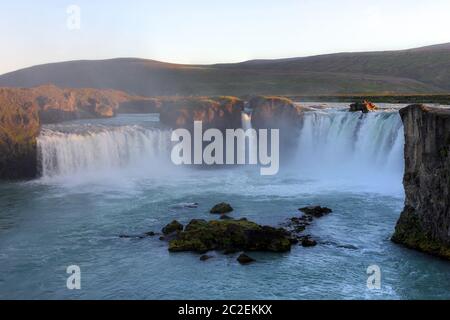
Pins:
<point x="335" y="144"/>
<point x="252" y="141"/>
<point x="100" y="149"/>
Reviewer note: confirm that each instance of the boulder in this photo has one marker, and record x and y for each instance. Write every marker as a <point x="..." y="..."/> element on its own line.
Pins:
<point x="245" y="259"/>
<point x="308" y="242"/>
<point x="205" y="257"/>
<point x="316" y="211"/>
<point x="203" y="236"/>
<point x="364" y="107"/>
<point x="172" y="227"/>
<point x="221" y="208"/>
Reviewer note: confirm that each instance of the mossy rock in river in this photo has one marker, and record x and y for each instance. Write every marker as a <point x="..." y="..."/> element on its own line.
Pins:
<point x="221" y="208"/>
<point x="203" y="236"/>
<point x="172" y="227"/>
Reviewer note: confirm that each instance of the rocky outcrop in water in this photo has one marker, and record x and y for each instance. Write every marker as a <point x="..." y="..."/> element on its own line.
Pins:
<point x="216" y="112"/>
<point x="425" y="221"/>
<point x="316" y="211"/>
<point x="274" y="113"/>
<point x="22" y="111"/>
<point x="245" y="259"/>
<point x="364" y="107"/>
<point x="229" y="235"/>
<point x="278" y="113"/>
<point x="172" y="227"/>
<point x="221" y="208"/>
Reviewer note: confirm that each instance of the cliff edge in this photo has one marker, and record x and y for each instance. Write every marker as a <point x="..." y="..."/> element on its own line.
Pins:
<point x="23" y="111"/>
<point x="424" y="224"/>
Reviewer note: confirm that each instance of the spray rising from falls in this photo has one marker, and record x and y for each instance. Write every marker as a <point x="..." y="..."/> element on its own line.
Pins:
<point x="100" y="149"/>
<point x="334" y="146"/>
<point x="366" y="148"/>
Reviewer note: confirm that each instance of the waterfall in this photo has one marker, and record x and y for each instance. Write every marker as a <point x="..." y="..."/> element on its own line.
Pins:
<point x="100" y="149"/>
<point x="335" y="144"/>
<point x="251" y="145"/>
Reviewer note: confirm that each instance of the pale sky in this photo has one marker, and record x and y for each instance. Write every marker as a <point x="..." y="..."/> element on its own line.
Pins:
<point x="212" y="31"/>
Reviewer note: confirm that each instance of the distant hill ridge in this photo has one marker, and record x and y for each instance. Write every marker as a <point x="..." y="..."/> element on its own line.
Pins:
<point x="413" y="71"/>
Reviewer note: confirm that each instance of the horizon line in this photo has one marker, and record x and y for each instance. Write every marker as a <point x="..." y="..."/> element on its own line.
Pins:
<point x="226" y="63"/>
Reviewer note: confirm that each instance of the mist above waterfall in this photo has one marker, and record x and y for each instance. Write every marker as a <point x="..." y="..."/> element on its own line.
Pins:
<point x="77" y="150"/>
<point x="334" y="148"/>
<point x="361" y="149"/>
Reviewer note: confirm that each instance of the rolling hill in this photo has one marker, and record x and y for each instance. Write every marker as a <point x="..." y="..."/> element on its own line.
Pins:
<point x="414" y="71"/>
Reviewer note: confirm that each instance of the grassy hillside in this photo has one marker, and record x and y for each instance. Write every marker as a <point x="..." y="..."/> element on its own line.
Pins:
<point x="416" y="71"/>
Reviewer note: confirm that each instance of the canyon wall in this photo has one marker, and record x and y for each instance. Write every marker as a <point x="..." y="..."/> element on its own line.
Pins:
<point x="22" y="111"/>
<point x="424" y="224"/>
<point x="214" y="112"/>
<point x="19" y="127"/>
<point x="270" y="112"/>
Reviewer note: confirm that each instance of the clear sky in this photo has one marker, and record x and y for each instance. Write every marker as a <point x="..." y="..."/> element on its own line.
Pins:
<point x="208" y="31"/>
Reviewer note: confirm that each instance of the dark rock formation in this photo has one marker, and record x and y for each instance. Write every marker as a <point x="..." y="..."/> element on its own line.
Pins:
<point x="221" y="208"/>
<point x="205" y="257"/>
<point x="245" y="259"/>
<point x="202" y="236"/>
<point x="307" y="242"/>
<point x="138" y="236"/>
<point x="316" y="211"/>
<point x="221" y="113"/>
<point x="425" y="222"/>
<point x="172" y="227"/>
<point x="364" y="106"/>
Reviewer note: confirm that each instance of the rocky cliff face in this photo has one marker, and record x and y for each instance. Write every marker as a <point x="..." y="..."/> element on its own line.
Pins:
<point x="19" y="127"/>
<point x="56" y="104"/>
<point x="22" y="111"/>
<point x="220" y="112"/>
<point x="425" y="222"/>
<point x="278" y="113"/>
<point x="274" y="112"/>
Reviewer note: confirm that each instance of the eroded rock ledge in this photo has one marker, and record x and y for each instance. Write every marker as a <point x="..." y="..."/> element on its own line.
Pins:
<point x="214" y="112"/>
<point x="22" y="111"/>
<point x="425" y="222"/>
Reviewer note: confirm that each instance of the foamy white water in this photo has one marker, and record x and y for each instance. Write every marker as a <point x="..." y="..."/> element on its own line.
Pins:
<point x="100" y="149"/>
<point x="359" y="148"/>
<point x="334" y="146"/>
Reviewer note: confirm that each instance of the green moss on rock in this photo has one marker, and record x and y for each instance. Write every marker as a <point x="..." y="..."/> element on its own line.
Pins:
<point x="409" y="232"/>
<point x="221" y="208"/>
<point x="172" y="227"/>
<point x="202" y="236"/>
